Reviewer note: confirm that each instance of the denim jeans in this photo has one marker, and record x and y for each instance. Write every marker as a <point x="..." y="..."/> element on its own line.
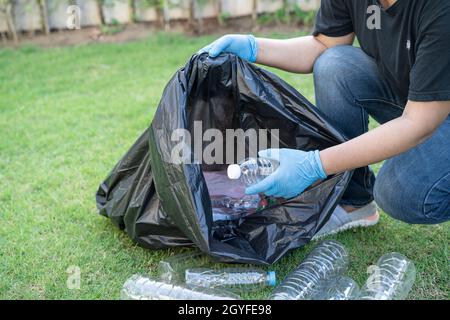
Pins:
<point x="413" y="187"/>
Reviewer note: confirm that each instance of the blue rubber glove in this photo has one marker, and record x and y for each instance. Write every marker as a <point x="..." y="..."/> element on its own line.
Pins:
<point x="297" y="171"/>
<point x="244" y="46"/>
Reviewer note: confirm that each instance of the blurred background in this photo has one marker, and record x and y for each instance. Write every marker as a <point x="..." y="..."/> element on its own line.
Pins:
<point x="79" y="83"/>
<point x="96" y="20"/>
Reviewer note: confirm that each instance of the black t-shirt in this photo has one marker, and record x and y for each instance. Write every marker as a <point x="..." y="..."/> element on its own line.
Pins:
<point x="410" y="42"/>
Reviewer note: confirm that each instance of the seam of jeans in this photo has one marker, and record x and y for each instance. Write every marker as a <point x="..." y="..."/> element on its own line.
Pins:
<point x="429" y="193"/>
<point x="365" y="128"/>
<point x="383" y="101"/>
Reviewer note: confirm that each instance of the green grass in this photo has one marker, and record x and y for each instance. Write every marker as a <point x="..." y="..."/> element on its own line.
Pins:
<point x="66" y="116"/>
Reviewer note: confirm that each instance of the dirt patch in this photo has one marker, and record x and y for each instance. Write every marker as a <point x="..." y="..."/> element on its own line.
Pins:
<point x="84" y="36"/>
<point x="132" y="32"/>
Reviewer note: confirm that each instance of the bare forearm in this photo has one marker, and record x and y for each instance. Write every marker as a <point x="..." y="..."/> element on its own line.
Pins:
<point x="294" y="55"/>
<point x="298" y="54"/>
<point x="386" y="141"/>
<point x="377" y="145"/>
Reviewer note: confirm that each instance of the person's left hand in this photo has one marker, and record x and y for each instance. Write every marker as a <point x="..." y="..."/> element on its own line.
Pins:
<point x="244" y="46"/>
<point x="297" y="171"/>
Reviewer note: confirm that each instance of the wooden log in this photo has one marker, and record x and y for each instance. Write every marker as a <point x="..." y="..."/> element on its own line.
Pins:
<point x="10" y="22"/>
<point x="44" y="16"/>
<point x="255" y="12"/>
<point x="132" y="10"/>
<point x="100" y="11"/>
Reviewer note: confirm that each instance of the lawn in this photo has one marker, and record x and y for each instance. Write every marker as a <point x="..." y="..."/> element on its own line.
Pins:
<point x="66" y="116"/>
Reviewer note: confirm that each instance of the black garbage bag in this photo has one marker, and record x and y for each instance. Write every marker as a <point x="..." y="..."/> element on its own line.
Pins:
<point x="162" y="204"/>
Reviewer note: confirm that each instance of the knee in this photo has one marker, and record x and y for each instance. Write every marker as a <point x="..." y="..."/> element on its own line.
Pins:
<point x="410" y="203"/>
<point x="395" y="202"/>
<point x="436" y="204"/>
<point x="331" y="64"/>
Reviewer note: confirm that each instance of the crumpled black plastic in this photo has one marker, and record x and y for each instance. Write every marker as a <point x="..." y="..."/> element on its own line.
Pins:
<point x="160" y="204"/>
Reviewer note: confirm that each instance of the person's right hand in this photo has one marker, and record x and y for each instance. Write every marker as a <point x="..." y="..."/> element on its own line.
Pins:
<point x="244" y="46"/>
<point x="297" y="171"/>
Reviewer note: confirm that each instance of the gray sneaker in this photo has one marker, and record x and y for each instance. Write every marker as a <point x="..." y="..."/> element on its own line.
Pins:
<point x="341" y="220"/>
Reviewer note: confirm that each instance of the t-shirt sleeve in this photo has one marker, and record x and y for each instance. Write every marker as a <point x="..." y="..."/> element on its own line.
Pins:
<point x="430" y="73"/>
<point x="333" y="19"/>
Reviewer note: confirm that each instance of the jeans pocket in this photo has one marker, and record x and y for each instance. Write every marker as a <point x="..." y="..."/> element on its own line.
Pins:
<point x="380" y="109"/>
<point x="436" y="205"/>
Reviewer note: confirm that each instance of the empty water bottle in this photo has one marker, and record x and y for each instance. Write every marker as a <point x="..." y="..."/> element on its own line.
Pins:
<point x="245" y="278"/>
<point x="327" y="260"/>
<point x="172" y="269"/>
<point x="246" y="202"/>
<point x="227" y="208"/>
<point x="252" y="170"/>
<point x="143" y="288"/>
<point x="391" y="279"/>
<point x="338" y="288"/>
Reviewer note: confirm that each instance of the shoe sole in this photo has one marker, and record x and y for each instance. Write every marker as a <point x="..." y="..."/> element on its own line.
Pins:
<point x="363" y="223"/>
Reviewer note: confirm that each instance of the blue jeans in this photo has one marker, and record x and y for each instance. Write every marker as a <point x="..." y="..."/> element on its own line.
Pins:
<point x="413" y="187"/>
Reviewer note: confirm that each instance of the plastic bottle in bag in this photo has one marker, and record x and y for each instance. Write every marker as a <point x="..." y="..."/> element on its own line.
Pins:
<point x="227" y="208"/>
<point x="248" y="171"/>
<point x="246" y="202"/>
<point x="242" y="278"/>
<point x="252" y="170"/>
<point x="391" y="279"/>
<point x="327" y="260"/>
<point x="140" y="287"/>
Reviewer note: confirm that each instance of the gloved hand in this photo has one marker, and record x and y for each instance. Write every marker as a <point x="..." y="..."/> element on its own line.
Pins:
<point x="297" y="171"/>
<point x="244" y="46"/>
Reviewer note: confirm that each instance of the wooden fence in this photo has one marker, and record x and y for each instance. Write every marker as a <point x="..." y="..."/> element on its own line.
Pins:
<point x="46" y="15"/>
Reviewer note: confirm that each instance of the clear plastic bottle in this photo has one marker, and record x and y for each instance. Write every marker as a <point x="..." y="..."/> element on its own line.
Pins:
<point x="391" y="279"/>
<point x="249" y="172"/>
<point x="327" y="260"/>
<point x="252" y="170"/>
<point x="140" y="287"/>
<point x="172" y="269"/>
<point x="246" y="202"/>
<point x="338" y="288"/>
<point x="228" y="208"/>
<point x="245" y="278"/>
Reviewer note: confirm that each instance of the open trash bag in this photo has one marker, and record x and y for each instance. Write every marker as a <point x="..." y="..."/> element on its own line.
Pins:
<point x="161" y="203"/>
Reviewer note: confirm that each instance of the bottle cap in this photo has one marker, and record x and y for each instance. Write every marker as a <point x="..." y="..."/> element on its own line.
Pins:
<point x="271" y="278"/>
<point x="234" y="171"/>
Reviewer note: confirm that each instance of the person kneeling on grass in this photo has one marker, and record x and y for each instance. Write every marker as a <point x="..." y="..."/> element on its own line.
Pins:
<point x="400" y="77"/>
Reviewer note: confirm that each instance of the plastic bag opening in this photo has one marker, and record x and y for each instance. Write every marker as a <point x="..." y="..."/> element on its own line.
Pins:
<point x="160" y="203"/>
